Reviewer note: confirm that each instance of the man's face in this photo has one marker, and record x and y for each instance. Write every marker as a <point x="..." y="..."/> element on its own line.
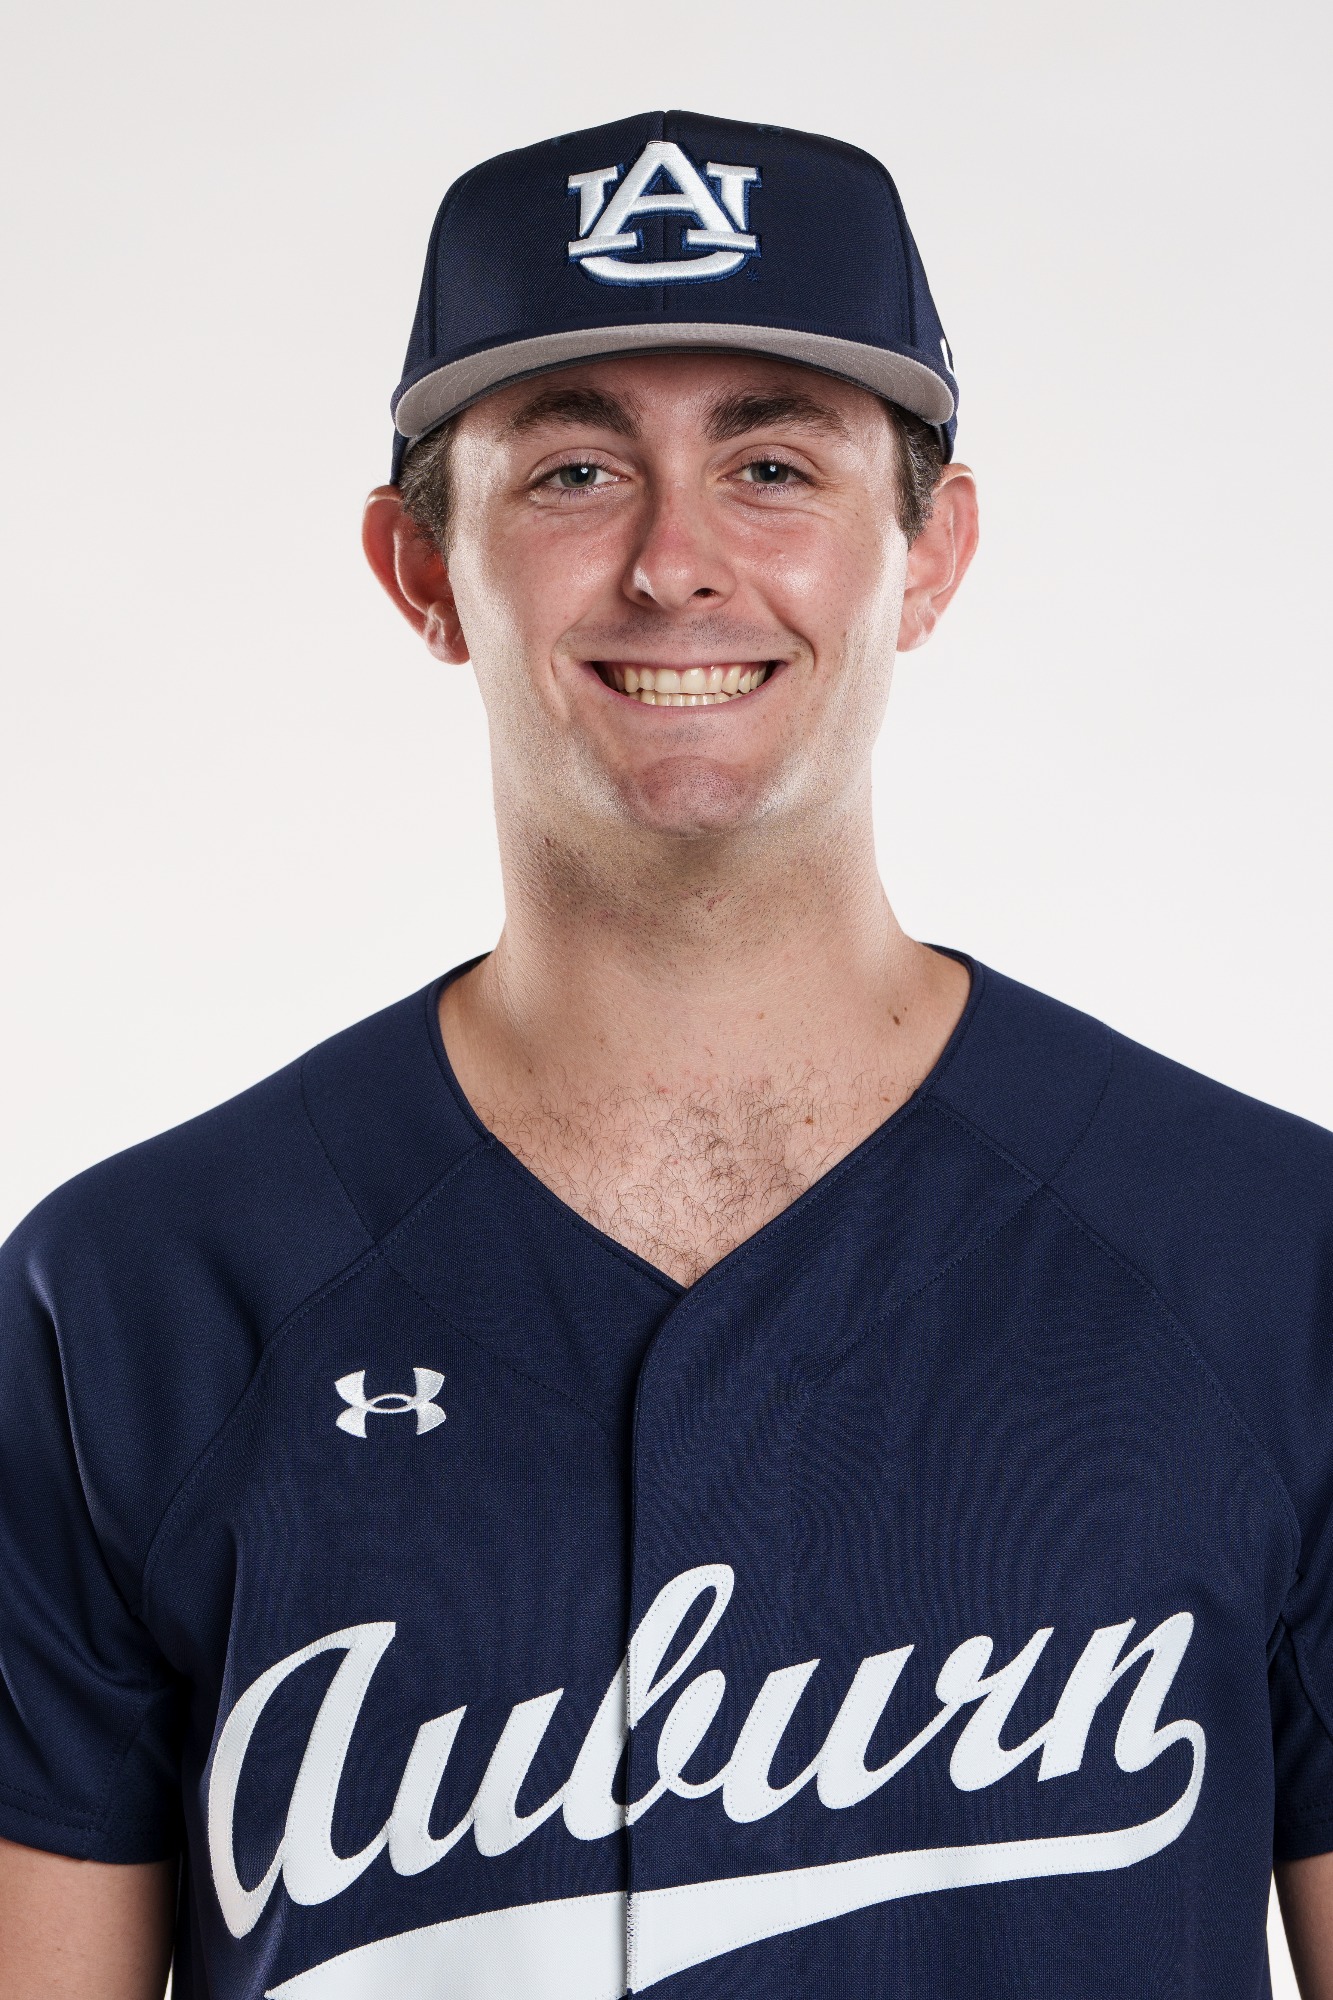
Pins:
<point x="680" y="580"/>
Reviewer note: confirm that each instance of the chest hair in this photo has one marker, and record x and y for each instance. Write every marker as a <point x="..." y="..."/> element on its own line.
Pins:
<point x="681" y="1178"/>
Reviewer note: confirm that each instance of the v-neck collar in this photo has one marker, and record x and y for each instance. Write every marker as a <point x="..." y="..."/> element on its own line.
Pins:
<point x="784" y="1221"/>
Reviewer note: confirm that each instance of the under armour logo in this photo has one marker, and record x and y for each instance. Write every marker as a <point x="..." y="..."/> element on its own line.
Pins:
<point x="352" y="1389"/>
<point x="663" y="181"/>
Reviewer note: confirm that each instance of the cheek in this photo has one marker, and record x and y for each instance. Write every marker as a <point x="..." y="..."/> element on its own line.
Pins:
<point x="524" y="589"/>
<point x="499" y="608"/>
<point x="840" y="583"/>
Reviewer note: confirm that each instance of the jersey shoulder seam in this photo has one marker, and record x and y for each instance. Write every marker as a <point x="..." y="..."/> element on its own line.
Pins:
<point x="325" y="1154"/>
<point x="1182" y="1333"/>
<point x="1165" y="1313"/>
<point x="378" y="1251"/>
<point x="325" y="1289"/>
<point x="374" y="1252"/>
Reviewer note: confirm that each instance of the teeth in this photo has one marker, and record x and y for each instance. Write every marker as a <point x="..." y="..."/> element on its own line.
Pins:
<point x="685" y="687"/>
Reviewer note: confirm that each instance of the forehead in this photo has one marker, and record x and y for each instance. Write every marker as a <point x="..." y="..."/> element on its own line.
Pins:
<point x="684" y="390"/>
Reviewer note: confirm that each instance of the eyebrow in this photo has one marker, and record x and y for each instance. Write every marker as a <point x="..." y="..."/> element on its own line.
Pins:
<point x="575" y="406"/>
<point x="730" y="417"/>
<point x="734" y="416"/>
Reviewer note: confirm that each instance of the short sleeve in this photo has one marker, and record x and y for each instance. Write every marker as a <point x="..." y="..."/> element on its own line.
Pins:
<point x="1302" y="1761"/>
<point x="89" y="1764"/>
<point x="1301" y="1673"/>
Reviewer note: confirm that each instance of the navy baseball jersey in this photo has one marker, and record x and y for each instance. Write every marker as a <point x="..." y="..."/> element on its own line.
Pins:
<point x="936" y="1598"/>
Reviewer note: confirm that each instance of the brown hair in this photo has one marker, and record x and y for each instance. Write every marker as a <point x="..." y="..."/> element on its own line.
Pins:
<point x="427" y="488"/>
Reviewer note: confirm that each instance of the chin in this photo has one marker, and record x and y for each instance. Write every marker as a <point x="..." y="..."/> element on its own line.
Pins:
<point x="693" y="798"/>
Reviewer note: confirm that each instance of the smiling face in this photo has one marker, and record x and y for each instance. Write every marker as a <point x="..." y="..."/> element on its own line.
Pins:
<point x="680" y="580"/>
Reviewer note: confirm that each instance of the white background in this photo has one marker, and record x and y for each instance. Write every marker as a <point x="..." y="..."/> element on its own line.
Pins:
<point x="240" y="808"/>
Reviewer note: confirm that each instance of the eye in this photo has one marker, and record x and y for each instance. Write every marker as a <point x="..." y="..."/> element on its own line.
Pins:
<point x="770" y="472"/>
<point x="579" y="477"/>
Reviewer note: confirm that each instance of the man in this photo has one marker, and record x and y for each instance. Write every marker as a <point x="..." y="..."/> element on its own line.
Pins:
<point x="720" y="1447"/>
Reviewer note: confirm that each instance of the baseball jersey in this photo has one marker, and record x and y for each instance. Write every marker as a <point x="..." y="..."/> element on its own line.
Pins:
<point x="935" y="1598"/>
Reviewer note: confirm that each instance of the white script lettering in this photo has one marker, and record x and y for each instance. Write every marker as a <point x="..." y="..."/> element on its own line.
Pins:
<point x="313" y="1872"/>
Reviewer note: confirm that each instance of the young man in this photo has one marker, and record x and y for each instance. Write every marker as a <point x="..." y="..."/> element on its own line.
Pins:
<point x="719" y="1448"/>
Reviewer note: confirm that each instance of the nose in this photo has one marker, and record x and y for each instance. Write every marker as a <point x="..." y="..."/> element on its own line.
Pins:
<point x="679" y="558"/>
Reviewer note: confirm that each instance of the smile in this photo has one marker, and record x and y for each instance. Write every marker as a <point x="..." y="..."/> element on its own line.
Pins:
<point x="684" y="687"/>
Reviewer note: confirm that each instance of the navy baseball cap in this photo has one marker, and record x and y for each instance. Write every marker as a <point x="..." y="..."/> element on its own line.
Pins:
<point x="672" y="230"/>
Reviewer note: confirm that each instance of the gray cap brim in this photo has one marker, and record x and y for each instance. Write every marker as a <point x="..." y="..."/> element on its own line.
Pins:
<point x="445" y="391"/>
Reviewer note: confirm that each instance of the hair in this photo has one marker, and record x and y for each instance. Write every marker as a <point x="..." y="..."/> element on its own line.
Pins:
<point x="427" y="487"/>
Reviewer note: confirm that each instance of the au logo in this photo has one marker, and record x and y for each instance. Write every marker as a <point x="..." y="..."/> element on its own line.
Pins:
<point x="663" y="181"/>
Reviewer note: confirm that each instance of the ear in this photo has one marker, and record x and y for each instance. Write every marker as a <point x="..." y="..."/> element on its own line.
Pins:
<point x="414" y="573"/>
<point x="938" y="559"/>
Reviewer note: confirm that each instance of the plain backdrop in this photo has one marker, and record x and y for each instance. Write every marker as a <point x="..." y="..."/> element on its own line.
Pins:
<point x="241" y="807"/>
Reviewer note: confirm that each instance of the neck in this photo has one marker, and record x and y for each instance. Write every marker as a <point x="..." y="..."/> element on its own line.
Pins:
<point x="674" y="964"/>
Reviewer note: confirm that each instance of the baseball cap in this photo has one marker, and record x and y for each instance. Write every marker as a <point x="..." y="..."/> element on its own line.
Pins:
<point x="672" y="230"/>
